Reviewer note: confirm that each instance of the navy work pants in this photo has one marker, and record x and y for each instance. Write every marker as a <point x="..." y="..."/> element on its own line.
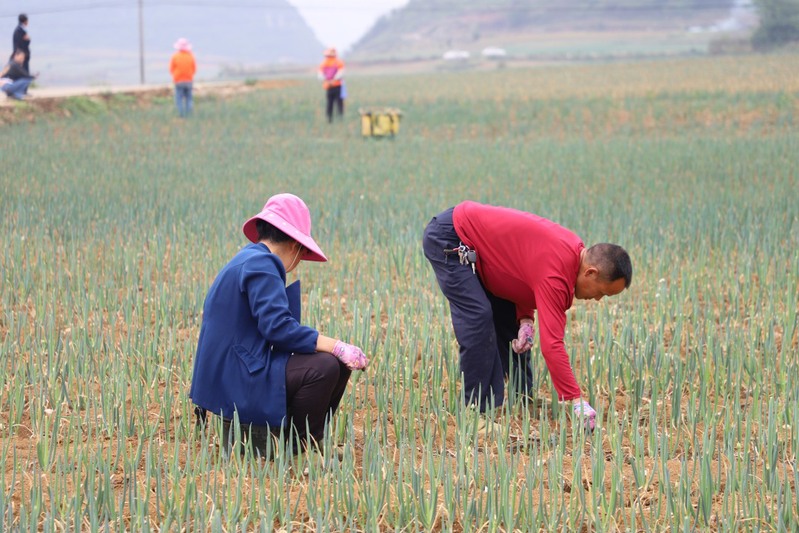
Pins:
<point x="484" y="324"/>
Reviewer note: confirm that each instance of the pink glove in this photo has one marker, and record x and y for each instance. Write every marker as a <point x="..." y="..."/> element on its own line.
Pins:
<point x="586" y="413"/>
<point x="524" y="341"/>
<point x="350" y="355"/>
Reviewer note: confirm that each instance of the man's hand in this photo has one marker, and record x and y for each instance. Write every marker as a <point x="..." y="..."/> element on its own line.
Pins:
<point x="524" y="341"/>
<point x="584" y="412"/>
<point x="350" y="355"/>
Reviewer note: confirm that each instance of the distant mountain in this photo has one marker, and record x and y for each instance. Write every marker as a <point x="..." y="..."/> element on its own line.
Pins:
<point x="83" y="42"/>
<point x="429" y="27"/>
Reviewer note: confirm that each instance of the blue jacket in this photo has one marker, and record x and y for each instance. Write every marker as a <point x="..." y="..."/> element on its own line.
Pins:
<point x="247" y="335"/>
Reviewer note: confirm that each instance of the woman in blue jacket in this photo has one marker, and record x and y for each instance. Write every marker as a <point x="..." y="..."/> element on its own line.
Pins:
<point x="254" y="358"/>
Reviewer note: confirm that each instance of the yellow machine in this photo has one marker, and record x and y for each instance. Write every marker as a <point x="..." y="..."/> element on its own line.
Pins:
<point x="380" y="122"/>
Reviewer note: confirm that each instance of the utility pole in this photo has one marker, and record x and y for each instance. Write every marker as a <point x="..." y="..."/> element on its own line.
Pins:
<point x="141" y="41"/>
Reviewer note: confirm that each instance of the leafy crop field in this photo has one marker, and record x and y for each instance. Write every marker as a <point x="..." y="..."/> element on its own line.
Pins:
<point x="113" y="226"/>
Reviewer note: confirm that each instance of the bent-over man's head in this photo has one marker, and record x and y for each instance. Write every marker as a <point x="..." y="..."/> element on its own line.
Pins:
<point x="605" y="270"/>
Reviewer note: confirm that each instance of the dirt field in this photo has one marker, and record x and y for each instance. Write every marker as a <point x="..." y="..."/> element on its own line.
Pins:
<point x="57" y="100"/>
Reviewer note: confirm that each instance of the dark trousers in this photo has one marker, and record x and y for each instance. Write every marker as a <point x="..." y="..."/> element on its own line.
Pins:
<point x="484" y="324"/>
<point x="315" y="384"/>
<point x="334" y="98"/>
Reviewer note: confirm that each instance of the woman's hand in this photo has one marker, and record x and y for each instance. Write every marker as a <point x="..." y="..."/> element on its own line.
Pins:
<point x="350" y="355"/>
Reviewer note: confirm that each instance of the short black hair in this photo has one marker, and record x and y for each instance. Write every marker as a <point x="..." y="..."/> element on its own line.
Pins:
<point x="23" y="18"/>
<point x="267" y="231"/>
<point x="612" y="261"/>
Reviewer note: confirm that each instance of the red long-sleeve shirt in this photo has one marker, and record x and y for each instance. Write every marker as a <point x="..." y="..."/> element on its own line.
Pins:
<point x="532" y="262"/>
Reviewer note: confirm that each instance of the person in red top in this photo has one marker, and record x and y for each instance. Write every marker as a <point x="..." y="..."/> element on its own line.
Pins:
<point x="498" y="267"/>
<point x="331" y="72"/>
<point x="183" y="67"/>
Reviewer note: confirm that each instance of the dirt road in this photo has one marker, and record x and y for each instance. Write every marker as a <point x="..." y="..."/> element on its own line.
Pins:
<point x="46" y="100"/>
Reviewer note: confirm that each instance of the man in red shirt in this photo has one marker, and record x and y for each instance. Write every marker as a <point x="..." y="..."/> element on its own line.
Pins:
<point x="496" y="266"/>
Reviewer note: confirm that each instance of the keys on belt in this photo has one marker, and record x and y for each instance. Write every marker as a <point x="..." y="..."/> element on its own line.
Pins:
<point x="466" y="256"/>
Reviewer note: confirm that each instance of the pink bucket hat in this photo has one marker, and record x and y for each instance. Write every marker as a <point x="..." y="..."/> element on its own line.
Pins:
<point x="289" y="214"/>
<point x="182" y="44"/>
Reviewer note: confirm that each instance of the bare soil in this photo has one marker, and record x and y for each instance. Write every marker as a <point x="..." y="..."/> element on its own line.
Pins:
<point x="56" y="101"/>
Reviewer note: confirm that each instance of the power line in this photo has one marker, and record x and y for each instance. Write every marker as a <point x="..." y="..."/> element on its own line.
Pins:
<point x="413" y="8"/>
<point x="728" y="4"/>
<point x="67" y="9"/>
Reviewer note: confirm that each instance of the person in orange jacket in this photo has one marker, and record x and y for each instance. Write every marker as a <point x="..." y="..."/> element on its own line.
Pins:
<point x="182" y="67"/>
<point x="331" y="72"/>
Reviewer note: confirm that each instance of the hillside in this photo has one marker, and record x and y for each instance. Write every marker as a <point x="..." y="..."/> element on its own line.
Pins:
<point x="427" y="28"/>
<point x="100" y="45"/>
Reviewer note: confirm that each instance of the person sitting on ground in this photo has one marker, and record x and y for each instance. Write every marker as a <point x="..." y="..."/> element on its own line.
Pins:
<point x="255" y="360"/>
<point x="15" y="78"/>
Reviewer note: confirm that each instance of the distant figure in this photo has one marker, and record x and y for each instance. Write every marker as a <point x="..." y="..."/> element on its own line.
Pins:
<point x="182" y="67"/>
<point x="15" y="78"/>
<point x="331" y="72"/>
<point x="22" y="41"/>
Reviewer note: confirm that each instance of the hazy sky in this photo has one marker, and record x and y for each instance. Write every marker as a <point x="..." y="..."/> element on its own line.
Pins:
<point x="340" y="23"/>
